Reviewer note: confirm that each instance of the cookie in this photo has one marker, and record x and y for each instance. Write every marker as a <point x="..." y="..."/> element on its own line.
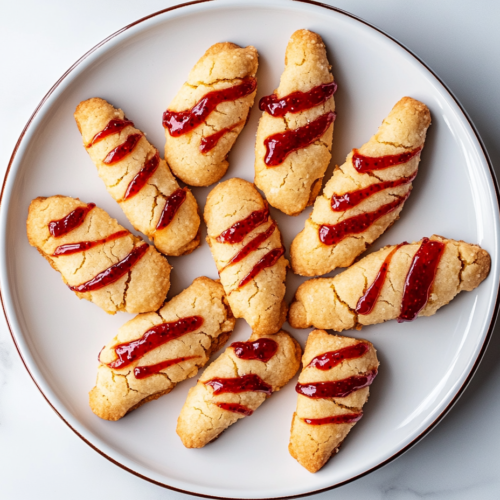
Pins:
<point x="98" y="259"/>
<point x="138" y="179"/>
<point x="398" y="282"/>
<point x="235" y="385"/>
<point x="294" y="138"/>
<point x="205" y="118"/>
<point x="249" y="254"/>
<point x="153" y="352"/>
<point x="332" y="389"/>
<point x="365" y="195"/>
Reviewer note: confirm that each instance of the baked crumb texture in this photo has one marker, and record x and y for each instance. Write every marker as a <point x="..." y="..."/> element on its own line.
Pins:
<point x="295" y="184"/>
<point x="118" y="391"/>
<point x="261" y="301"/>
<point x="330" y="303"/>
<point x="403" y="131"/>
<point x="224" y="65"/>
<point x="145" y="208"/>
<point x="201" y="420"/>
<point x="142" y="289"/>
<point x="313" y="445"/>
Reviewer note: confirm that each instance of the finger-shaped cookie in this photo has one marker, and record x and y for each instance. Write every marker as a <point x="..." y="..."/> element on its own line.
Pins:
<point x="153" y="352"/>
<point x="294" y="138"/>
<point x="138" y="179"/>
<point x="365" y="195"/>
<point x="235" y="385"/>
<point x="332" y="389"/>
<point x="98" y="259"/>
<point x="398" y="282"/>
<point x="205" y="118"/>
<point x="248" y="251"/>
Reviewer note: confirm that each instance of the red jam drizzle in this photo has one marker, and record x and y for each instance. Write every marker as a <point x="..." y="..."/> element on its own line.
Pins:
<point x="251" y="246"/>
<point x="210" y="141"/>
<point x="330" y="359"/>
<point x="148" y="371"/>
<point x="113" y="127"/>
<point x="237" y="232"/>
<point x="267" y="261"/>
<point x="297" y="101"/>
<point x="347" y="418"/>
<point x="333" y="234"/>
<point x="245" y="383"/>
<point x="174" y="202"/>
<point x="341" y="202"/>
<point x="367" y="302"/>
<point x="74" y="219"/>
<point x="420" y="278"/>
<point x="182" y="122"/>
<point x="235" y="408"/>
<point x="129" y="352"/>
<point x="82" y="246"/>
<point x="140" y="179"/>
<point x="261" y="349"/>
<point x="338" y="388"/>
<point x="113" y="273"/>
<point x="279" y="146"/>
<point x="122" y="150"/>
<point x="368" y="163"/>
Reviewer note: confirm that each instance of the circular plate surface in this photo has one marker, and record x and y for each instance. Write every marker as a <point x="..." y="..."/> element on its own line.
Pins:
<point x="425" y="365"/>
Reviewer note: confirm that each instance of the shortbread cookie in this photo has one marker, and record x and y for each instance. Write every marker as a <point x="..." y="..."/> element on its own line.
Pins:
<point x="205" y="118"/>
<point x="138" y="179"/>
<point x="235" y="385"/>
<point x="153" y="352"/>
<point x="332" y="389"/>
<point x="98" y="259"/>
<point x="365" y="195"/>
<point x="294" y="138"/>
<point x="249" y="254"/>
<point x="398" y="282"/>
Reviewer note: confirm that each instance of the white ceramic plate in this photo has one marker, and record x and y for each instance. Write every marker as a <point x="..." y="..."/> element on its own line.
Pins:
<point x="425" y="365"/>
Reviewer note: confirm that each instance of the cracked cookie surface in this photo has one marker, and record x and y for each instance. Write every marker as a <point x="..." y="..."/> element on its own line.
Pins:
<point x="331" y="303"/>
<point x="122" y="389"/>
<point x="295" y="183"/>
<point x="222" y="67"/>
<point x="315" y="434"/>
<point x="142" y="288"/>
<point x="203" y="417"/>
<point x="402" y="132"/>
<point x="144" y="209"/>
<point x="261" y="300"/>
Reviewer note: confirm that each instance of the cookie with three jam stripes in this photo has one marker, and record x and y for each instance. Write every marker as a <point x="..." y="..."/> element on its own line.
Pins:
<point x="294" y="138"/>
<point x="398" y="282"/>
<point x="154" y="352"/>
<point x="332" y="389"/>
<point x="138" y="179"/>
<point x="365" y="195"/>
<point x="98" y="259"/>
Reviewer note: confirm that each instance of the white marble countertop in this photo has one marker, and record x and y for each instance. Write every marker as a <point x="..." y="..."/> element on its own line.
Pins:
<point x="41" y="458"/>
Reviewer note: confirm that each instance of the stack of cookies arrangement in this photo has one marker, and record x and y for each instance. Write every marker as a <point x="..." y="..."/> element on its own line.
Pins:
<point x="169" y="341"/>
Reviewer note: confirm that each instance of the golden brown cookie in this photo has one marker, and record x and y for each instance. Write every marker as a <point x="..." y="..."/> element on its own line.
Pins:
<point x="332" y="389"/>
<point x="398" y="282"/>
<point x="98" y="259"/>
<point x="138" y="179"/>
<point x="365" y="195"/>
<point x="153" y="352"/>
<point x="205" y="118"/>
<point x="302" y="105"/>
<point x="249" y="254"/>
<point x="235" y="385"/>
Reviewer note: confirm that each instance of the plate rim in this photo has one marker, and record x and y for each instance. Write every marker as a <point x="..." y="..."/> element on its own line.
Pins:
<point x="486" y="340"/>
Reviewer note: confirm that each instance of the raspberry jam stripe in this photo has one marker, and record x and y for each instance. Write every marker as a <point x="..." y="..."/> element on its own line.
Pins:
<point x="113" y="127"/>
<point x="122" y="150"/>
<point x="82" y="246"/>
<point x="210" y="141"/>
<point x="245" y="383"/>
<point x="235" y="408"/>
<point x="365" y="164"/>
<point x="68" y="223"/>
<point x="142" y="177"/>
<point x="330" y="359"/>
<point x="267" y="261"/>
<point x="174" y="202"/>
<point x="150" y="370"/>
<point x="261" y="349"/>
<point x="239" y="230"/>
<point x="346" y="418"/>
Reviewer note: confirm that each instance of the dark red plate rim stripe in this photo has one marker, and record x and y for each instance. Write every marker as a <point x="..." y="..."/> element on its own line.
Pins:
<point x="490" y="328"/>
